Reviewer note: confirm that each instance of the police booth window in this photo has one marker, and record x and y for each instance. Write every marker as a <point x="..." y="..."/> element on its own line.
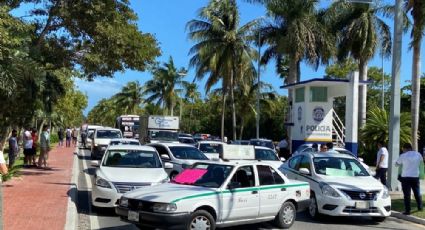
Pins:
<point x="318" y="94"/>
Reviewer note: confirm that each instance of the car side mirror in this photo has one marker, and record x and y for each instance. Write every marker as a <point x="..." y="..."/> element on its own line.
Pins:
<point x="168" y="165"/>
<point x="165" y="157"/>
<point x="282" y="159"/>
<point x="304" y="171"/>
<point x="233" y="185"/>
<point x="94" y="163"/>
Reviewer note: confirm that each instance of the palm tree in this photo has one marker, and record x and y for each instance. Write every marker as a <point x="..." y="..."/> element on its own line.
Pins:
<point x="360" y="30"/>
<point x="192" y="94"/>
<point x="162" y="87"/>
<point x="417" y="9"/>
<point x="221" y="46"/>
<point x="129" y="99"/>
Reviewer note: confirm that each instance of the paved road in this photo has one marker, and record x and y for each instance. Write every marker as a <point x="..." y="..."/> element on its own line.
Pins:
<point x="106" y="218"/>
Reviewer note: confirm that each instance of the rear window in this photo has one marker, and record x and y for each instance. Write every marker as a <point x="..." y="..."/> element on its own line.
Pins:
<point x="190" y="153"/>
<point x="108" y="134"/>
<point x="211" y="148"/>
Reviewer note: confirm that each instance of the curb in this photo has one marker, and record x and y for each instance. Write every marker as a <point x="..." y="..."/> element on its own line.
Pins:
<point x="72" y="213"/>
<point x="409" y="218"/>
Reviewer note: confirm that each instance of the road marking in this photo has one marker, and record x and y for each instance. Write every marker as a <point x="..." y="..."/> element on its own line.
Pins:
<point x="71" y="212"/>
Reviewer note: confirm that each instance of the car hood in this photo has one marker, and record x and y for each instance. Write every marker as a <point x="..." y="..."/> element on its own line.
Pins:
<point x="353" y="183"/>
<point x="170" y="193"/>
<point x="103" y="141"/>
<point x="132" y="175"/>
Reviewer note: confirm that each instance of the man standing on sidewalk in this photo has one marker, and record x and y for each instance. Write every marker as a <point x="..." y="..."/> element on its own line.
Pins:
<point x="44" y="147"/>
<point x="13" y="148"/>
<point x="410" y="161"/>
<point x="382" y="163"/>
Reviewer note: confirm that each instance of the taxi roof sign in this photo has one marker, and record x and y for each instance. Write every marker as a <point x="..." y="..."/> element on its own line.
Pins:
<point x="238" y="152"/>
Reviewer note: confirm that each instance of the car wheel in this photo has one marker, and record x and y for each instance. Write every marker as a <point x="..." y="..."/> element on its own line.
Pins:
<point x="313" y="210"/>
<point x="201" y="219"/>
<point x="379" y="218"/>
<point x="286" y="216"/>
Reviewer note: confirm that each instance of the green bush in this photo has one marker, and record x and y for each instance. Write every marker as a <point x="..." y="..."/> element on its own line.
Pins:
<point x="54" y="138"/>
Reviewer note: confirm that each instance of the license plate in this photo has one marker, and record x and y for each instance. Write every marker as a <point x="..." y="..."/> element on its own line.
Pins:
<point x="133" y="216"/>
<point x="362" y="205"/>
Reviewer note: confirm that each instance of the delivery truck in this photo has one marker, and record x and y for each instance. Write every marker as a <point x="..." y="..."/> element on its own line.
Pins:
<point x="156" y="128"/>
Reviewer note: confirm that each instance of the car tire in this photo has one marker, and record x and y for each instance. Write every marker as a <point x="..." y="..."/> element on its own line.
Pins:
<point x="379" y="218"/>
<point x="313" y="210"/>
<point x="201" y="219"/>
<point x="285" y="218"/>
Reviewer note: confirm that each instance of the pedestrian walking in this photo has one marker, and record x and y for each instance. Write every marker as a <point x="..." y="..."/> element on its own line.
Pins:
<point x="44" y="148"/>
<point x="382" y="163"/>
<point x="13" y="148"/>
<point x="410" y="161"/>
<point x="283" y="148"/>
<point x="74" y="135"/>
<point x="34" y="137"/>
<point x="60" y="137"/>
<point x="68" y="137"/>
<point x="27" y="144"/>
<point x="83" y="134"/>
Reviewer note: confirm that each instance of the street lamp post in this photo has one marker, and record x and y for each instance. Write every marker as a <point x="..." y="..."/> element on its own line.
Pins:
<point x="257" y="117"/>
<point x="181" y="74"/>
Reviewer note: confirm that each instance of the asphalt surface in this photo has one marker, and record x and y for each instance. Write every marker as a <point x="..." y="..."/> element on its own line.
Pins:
<point x="95" y="218"/>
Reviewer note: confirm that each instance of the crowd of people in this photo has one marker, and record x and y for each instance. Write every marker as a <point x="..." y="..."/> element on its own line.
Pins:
<point x="31" y="142"/>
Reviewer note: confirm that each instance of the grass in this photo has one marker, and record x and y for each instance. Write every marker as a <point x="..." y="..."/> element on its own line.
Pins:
<point x="398" y="205"/>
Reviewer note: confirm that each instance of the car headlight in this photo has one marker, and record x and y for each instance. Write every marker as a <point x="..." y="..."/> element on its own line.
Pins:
<point x="327" y="190"/>
<point x="385" y="193"/>
<point x="102" y="183"/>
<point x="164" y="207"/>
<point x="124" y="202"/>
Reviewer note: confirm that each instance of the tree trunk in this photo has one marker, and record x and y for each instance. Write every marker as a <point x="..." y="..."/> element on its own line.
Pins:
<point x="172" y="109"/>
<point x="40" y="128"/>
<point x="223" y="112"/>
<point x="242" y="127"/>
<point x="4" y="135"/>
<point x="292" y="78"/>
<point x="232" y="98"/>
<point x="190" y="118"/>
<point x="416" y="87"/>
<point x="362" y="93"/>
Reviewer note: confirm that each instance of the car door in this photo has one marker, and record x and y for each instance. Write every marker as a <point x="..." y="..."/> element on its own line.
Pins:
<point x="292" y="167"/>
<point x="241" y="202"/>
<point x="271" y="194"/>
<point x="162" y="151"/>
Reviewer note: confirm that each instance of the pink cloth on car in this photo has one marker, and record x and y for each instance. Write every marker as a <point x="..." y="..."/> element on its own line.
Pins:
<point x="189" y="176"/>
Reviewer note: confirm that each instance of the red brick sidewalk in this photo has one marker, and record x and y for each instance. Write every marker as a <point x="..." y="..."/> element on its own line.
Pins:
<point x="38" y="199"/>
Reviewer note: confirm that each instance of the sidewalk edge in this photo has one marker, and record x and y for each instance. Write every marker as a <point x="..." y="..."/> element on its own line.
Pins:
<point x="409" y="218"/>
<point x="72" y="213"/>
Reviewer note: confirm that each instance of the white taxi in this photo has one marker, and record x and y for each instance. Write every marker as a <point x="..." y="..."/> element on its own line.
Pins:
<point x="217" y="194"/>
<point x="124" y="168"/>
<point x="340" y="185"/>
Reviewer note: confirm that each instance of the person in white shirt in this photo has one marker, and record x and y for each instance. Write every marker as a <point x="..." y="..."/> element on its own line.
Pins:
<point x="410" y="162"/>
<point x="382" y="163"/>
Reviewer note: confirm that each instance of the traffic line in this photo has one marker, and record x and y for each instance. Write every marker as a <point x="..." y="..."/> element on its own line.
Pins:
<point x="71" y="212"/>
<point x="94" y="220"/>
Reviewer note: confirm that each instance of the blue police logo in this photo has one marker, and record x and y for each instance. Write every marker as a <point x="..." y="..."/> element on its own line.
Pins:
<point x="300" y="113"/>
<point x="318" y="114"/>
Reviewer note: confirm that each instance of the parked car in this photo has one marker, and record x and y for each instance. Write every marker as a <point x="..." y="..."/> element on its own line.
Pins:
<point x="124" y="168"/>
<point x="262" y="142"/>
<point x="188" y="140"/>
<point x="180" y="155"/>
<point x="217" y="195"/>
<point x="240" y="142"/>
<point x="212" y="149"/>
<point x="340" y="185"/>
<point x="185" y="135"/>
<point x="90" y="131"/>
<point x="101" y="139"/>
<point x="268" y="156"/>
<point x="124" y="141"/>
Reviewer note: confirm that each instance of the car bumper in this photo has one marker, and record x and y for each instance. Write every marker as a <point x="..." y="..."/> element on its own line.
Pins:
<point x="105" y="197"/>
<point x="158" y="220"/>
<point x="344" y="207"/>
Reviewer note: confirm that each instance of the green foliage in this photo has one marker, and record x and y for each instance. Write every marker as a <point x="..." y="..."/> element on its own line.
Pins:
<point x="377" y="129"/>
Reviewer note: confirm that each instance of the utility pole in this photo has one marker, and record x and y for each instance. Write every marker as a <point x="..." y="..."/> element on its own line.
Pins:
<point x="394" y="144"/>
<point x="257" y="117"/>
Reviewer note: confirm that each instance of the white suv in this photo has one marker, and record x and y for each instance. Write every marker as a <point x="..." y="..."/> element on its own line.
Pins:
<point x="101" y="139"/>
<point x="340" y="185"/>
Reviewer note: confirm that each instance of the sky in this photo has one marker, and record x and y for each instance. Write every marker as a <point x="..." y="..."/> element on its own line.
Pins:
<point x="166" y="20"/>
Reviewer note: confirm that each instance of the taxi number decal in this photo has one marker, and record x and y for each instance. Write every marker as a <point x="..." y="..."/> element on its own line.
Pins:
<point x="272" y="196"/>
<point x="241" y="200"/>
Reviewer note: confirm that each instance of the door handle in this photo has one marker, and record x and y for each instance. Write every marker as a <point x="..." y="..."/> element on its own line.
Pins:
<point x="283" y="189"/>
<point x="254" y="192"/>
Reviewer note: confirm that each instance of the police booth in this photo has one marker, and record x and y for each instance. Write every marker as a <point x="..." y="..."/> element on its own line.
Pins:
<point x="311" y="116"/>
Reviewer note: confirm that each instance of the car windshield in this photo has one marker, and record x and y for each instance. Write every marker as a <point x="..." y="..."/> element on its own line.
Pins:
<point x="342" y="167"/>
<point x="265" y="155"/>
<point x="263" y="143"/>
<point x="187" y="152"/>
<point x="211" y="147"/>
<point x="132" y="159"/>
<point x="124" y="143"/>
<point x="108" y="134"/>
<point x="204" y="175"/>
<point x="163" y="135"/>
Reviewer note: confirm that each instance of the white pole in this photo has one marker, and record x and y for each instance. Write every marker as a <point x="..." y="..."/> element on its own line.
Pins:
<point x="257" y="117"/>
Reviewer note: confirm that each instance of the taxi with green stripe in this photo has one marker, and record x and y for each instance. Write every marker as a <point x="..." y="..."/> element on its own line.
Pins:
<point x="218" y="194"/>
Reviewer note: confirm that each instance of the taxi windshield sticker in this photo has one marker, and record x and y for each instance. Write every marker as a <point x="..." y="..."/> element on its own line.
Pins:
<point x="189" y="176"/>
